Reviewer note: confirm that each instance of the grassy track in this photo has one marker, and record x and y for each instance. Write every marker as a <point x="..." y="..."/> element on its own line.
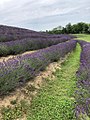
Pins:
<point x="55" y="101"/>
<point x="85" y="37"/>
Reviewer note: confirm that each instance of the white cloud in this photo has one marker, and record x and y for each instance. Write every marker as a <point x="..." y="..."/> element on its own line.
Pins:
<point x="3" y="1"/>
<point x="29" y="13"/>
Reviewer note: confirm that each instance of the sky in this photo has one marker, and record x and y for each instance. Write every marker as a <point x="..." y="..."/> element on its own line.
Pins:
<point x="43" y="14"/>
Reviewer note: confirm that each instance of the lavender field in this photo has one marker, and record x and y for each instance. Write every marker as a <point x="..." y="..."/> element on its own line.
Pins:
<point x="26" y="40"/>
<point x="17" y="71"/>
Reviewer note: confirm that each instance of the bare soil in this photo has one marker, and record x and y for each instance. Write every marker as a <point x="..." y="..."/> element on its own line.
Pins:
<point x="13" y="56"/>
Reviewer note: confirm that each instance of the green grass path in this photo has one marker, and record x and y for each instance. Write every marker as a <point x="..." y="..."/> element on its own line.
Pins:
<point x="85" y="37"/>
<point x="55" y="100"/>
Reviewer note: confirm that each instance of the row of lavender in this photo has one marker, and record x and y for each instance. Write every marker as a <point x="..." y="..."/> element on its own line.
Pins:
<point x="16" y="71"/>
<point x="15" y="36"/>
<point x="83" y="84"/>
<point x="20" y="46"/>
<point x="8" y="33"/>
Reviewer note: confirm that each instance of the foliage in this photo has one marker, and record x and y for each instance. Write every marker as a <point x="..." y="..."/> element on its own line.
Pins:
<point x="15" y="112"/>
<point x="72" y="29"/>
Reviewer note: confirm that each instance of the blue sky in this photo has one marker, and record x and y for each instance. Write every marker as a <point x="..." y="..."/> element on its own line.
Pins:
<point x="43" y="14"/>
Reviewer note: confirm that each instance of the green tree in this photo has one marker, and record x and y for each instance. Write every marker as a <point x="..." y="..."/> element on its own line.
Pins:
<point x="80" y="27"/>
<point x="69" y="28"/>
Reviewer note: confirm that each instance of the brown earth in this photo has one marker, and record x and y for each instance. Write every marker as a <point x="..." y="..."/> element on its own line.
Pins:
<point x="13" y="56"/>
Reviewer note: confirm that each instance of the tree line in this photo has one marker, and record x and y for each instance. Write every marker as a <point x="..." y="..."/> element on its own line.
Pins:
<point x="80" y="27"/>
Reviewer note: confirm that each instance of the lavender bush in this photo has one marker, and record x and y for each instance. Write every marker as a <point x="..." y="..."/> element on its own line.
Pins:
<point x="20" y="46"/>
<point x="83" y="84"/>
<point x="16" y="71"/>
<point x="8" y="33"/>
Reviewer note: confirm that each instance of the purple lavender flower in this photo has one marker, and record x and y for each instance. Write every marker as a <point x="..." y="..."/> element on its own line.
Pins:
<point x="16" y="71"/>
<point x="83" y="84"/>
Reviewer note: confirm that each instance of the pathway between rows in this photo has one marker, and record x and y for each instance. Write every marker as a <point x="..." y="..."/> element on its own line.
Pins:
<point x="56" y="101"/>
